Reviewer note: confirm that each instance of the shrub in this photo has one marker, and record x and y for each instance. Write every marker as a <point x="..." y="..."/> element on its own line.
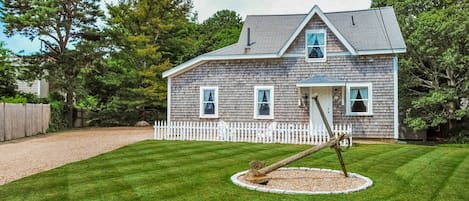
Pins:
<point x="14" y="99"/>
<point x="462" y="137"/>
<point x="57" y="113"/>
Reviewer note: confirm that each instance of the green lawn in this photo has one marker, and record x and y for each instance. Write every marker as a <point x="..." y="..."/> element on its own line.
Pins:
<point x="171" y="170"/>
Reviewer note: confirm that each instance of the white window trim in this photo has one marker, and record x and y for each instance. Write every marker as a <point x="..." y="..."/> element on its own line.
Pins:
<point x="256" y="89"/>
<point x="325" y="45"/>
<point x="201" y="103"/>
<point x="370" y="100"/>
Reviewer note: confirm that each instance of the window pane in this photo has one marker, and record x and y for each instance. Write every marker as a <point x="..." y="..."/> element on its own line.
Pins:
<point x="263" y="109"/>
<point x="316" y="39"/>
<point x="364" y="93"/>
<point x="263" y="95"/>
<point x="209" y="95"/>
<point x="315" y="52"/>
<point x="209" y="108"/>
<point x="310" y="38"/>
<point x="359" y="93"/>
<point x="359" y="106"/>
<point x="320" y="39"/>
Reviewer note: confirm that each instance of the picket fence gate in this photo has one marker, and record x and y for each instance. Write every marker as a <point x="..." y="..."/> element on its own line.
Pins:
<point x="255" y="132"/>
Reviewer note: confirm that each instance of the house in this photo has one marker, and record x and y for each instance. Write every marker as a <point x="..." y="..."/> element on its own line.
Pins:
<point x="40" y="88"/>
<point x="349" y="59"/>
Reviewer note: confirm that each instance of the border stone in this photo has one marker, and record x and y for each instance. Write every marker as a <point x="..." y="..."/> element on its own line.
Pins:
<point x="235" y="179"/>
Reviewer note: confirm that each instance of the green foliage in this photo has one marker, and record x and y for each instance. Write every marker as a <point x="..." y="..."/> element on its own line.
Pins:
<point x="14" y="99"/>
<point x="7" y="73"/>
<point x="220" y="30"/>
<point x="461" y="113"/>
<point x="417" y="123"/>
<point x="57" y="121"/>
<point x="433" y="74"/>
<point x="88" y="103"/>
<point x="462" y="137"/>
<point x="23" y="98"/>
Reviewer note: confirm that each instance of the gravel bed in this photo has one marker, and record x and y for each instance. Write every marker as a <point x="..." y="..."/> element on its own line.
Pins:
<point x="306" y="181"/>
<point x="31" y="155"/>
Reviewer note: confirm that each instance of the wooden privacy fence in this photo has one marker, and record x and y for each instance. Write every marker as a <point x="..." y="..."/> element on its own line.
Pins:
<point x="288" y="133"/>
<point x="22" y="120"/>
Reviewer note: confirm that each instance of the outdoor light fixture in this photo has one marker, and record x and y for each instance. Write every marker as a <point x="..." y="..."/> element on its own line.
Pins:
<point x="305" y="101"/>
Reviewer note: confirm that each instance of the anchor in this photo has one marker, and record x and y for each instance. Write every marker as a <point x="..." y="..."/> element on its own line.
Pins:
<point x="258" y="172"/>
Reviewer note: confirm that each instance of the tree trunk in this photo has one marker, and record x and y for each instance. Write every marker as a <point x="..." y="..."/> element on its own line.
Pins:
<point x="69" y="103"/>
<point x="451" y="115"/>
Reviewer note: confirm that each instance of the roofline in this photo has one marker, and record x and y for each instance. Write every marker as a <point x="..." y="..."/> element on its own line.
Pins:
<point x="317" y="10"/>
<point x="260" y="15"/>
<point x="204" y="58"/>
<point x="382" y="51"/>
<point x="331" y="84"/>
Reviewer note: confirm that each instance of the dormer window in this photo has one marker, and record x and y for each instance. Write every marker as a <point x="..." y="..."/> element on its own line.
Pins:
<point x="316" y="45"/>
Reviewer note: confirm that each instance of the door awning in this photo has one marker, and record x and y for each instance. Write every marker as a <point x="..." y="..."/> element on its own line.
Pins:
<point x="320" y="81"/>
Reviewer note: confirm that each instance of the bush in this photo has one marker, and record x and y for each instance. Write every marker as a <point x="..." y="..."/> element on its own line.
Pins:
<point x="23" y="98"/>
<point x="57" y="113"/>
<point x="462" y="137"/>
<point x="15" y="99"/>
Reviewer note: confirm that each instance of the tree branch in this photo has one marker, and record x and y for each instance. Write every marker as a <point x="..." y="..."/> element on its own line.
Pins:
<point x="49" y="45"/>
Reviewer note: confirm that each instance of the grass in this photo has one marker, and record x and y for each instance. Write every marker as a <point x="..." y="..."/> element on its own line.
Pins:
<point x="171" y="170"/>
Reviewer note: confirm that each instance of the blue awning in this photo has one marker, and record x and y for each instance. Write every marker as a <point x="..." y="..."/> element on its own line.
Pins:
<point x="320" y="81"/>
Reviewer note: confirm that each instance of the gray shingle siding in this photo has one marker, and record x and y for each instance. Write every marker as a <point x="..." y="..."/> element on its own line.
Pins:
<point x="236" y="80"/>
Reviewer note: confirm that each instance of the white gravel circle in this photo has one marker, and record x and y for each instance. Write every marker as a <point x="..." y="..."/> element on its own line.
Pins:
<point x="366" y="183"/>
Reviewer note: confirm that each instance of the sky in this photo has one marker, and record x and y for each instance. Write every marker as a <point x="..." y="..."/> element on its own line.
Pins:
<point x="205" y="8"/>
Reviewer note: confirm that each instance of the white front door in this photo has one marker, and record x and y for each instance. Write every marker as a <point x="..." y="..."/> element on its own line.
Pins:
<point x="325" y="99"/>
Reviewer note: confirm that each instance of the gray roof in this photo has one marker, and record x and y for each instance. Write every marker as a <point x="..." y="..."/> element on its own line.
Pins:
<point x="374" y="29"/>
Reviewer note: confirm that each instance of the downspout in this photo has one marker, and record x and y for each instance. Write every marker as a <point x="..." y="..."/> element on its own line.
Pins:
<point x="396" y="98"/>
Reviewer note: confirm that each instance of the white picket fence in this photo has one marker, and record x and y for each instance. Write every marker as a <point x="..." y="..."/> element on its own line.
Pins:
<point x="286" y="133"/>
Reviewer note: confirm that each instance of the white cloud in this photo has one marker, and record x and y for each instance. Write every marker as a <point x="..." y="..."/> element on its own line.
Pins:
<point x="207" y="8"/>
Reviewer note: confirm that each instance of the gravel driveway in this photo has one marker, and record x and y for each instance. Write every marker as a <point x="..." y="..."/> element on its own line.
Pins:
<point x="28" y="156"/>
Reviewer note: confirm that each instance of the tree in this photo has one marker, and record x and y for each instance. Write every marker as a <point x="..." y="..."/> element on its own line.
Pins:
<point x="7" y="74"/>
<point x="433" y="74"/>
<point x="220" y="30"/>
<point x="146" y="37"/>
<point x="59" y="25"/>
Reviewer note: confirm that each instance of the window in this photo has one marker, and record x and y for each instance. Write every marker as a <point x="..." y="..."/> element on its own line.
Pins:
<point x="316" y="45"/>
<point x="264" y="102"/>
<point x="359" y="99"/>
<point x="209" y="102"/>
